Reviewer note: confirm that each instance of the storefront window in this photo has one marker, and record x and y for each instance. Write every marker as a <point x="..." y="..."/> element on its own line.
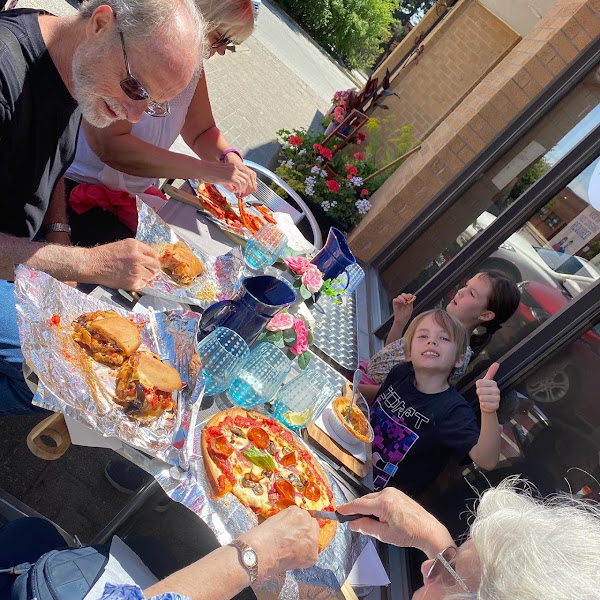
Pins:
<point x="567" y="124"/>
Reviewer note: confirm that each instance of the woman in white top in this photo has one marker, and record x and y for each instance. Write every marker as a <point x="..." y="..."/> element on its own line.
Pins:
<point x="124" y="159"/>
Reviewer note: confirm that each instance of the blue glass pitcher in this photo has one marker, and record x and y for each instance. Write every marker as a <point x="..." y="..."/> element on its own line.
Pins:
<point x="334" y="256"/>
<point x="262" y="298"/>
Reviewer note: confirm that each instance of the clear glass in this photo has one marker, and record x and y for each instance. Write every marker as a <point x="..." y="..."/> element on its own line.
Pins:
<point x="300" y="401"/>
<point x="260" y="376"/>
<point x="222" y="353"/>
<point x="265" y="247"/>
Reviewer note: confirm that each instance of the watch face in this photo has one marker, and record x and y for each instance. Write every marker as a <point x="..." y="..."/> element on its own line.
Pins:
<point x="249" y="558"/>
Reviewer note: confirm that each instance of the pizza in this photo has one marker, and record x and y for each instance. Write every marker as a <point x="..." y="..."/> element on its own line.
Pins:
<point x="265" y="467"/>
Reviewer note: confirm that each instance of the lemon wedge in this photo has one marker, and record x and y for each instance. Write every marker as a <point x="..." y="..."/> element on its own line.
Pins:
<point x="297" y="418"/>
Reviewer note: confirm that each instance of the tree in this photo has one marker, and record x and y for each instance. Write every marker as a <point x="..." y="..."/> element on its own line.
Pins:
<point x="412" y="8"/>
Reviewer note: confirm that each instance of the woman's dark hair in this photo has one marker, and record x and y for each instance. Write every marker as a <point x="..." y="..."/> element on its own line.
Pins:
<point x="503" y="301"/>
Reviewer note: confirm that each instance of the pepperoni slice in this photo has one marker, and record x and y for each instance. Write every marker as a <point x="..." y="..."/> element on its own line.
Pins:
<point x="285" y="489"/>
<point x="289" y="459"/>
<point x="219" y="446"/>
<point x="311" y="491"/>
<point x="283" y="503"/>
<point x="259" y="437"/>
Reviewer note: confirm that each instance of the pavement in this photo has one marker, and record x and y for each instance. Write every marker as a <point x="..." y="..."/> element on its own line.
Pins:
<point x="277" y="79"/>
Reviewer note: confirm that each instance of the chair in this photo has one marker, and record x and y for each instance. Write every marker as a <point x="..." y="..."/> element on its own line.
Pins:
<point x="276" y="203"/>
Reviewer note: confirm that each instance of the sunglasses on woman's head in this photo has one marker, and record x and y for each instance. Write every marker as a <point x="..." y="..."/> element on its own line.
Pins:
<point x="136" y="91"/>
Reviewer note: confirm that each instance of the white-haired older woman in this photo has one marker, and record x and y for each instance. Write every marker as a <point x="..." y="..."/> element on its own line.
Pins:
<point x="116" y="162"/>
<point x="518" y="548"/>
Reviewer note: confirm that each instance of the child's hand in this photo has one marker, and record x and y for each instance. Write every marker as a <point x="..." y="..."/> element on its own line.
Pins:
<point x="402" y="306"/>
<point x="488" y="391"/>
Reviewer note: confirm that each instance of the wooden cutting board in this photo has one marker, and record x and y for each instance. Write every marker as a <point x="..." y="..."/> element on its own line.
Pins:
<point x="333" y="450"/>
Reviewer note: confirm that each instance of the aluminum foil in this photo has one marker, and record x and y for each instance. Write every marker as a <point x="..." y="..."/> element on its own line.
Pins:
<point x="220" y="280"/>
<point x="74" y="384"/>
<point x="228" y="518"/>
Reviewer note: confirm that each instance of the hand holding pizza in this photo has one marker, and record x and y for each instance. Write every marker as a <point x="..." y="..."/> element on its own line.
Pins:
<point x="402" y="521"/>
<point x="488" y="391"/>
<point x="287" y="540"/>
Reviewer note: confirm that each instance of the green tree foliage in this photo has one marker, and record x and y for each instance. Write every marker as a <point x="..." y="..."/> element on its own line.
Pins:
<point x="529" y="177"/>
<point x="352" y="30"/>
<point x="411" y="10"/>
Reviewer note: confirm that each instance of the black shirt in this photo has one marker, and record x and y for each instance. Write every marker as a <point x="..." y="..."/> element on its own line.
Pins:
<point x="38" y="127"/>
<point x="416" y="433"/>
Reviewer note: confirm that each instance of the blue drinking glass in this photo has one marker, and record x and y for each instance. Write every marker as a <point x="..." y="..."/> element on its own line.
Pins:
<point x="260" y="376"/>
<point x="265" y="247"/>
<point x="221" y="353"/>
<point x="300" y="401"/>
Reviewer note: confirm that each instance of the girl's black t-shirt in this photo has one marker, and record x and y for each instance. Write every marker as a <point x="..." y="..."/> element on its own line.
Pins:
<point x="417" y="433"/>
<point x="39" y="120"/>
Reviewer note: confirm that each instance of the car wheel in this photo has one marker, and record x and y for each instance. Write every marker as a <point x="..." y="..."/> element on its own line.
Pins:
<point x="497" y="264"/>
<point x="551" y="384"/>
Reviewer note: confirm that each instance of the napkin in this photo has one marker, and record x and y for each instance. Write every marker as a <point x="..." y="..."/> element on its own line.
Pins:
<point x="358" y="450"/>
<point x="84" y="436"/>
<point x="368" y="569"/>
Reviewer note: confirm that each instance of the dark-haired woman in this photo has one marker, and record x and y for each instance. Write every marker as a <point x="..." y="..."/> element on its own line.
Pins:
<point x="488" y="299"/>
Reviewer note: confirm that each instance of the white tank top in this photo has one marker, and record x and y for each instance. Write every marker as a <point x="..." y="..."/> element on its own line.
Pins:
<point x="158" y="131"/>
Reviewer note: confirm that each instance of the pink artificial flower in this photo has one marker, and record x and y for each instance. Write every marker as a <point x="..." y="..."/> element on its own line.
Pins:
<point x="352" y="170"/>
<point x="298" y="264"/>
<point x="312" y="280"/>
<point x="333" y="185"/>
<point x="364" y="192"/>
<point x="294" y="140"/>
<point x="301" y="344"/>
<point x="326" y="153"/>
<point x="281" y="322"/>
<point x="359" y="156"/>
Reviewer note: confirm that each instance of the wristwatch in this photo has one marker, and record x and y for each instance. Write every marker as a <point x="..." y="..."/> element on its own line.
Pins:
<point x="248" y="558"/>
<point x="57" y="227"/>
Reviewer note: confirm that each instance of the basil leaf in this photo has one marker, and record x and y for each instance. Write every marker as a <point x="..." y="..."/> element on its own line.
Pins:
<point x="260" y="459"/>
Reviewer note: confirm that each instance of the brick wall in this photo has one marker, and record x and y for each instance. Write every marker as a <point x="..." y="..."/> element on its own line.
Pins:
<point x="457" y="54"/>
<point x="492" y="105"/>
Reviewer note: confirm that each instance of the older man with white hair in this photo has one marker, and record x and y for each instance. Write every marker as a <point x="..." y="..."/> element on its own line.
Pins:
<point x="114" y="60"/>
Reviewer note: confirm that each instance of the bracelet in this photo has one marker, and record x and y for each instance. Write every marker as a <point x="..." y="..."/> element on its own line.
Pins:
<point x="57" y="228"/>
<point x="226" y="152"/>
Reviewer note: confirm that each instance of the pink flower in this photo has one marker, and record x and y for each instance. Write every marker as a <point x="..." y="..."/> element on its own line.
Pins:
<point x="312" y="280"/>
<point x="364" y="192"/>
<point x="326" y="153"/>
<point x="298" y="264"/>
<point x="334" y="186"/>
<point x="294" y="140"/>
<point x="359" y="156"/>
<point x="301" y="344"/>
<point x="280" y="322"/>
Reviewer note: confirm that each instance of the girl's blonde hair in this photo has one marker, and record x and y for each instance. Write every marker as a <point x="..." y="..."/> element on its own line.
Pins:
<point x="453" y="327"/>
<point x="232" y="18"/>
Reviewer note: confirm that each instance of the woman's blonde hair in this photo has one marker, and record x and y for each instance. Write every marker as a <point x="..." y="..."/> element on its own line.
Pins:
<point x="232" y="18"/>
<point x="536" y="549"/>
<point x="453" y="327"/>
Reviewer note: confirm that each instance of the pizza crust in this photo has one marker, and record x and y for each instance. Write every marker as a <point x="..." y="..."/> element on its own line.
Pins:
<point x="213" y="471"/>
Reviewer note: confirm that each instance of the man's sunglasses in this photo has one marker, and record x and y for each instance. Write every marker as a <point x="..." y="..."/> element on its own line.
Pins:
<point x="444" y="565"/>
<point x="222" y="41"/>
<point x="136" y="91"/>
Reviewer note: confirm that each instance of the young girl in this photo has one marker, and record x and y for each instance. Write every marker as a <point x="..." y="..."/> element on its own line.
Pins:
<point x="420" y="420"/>
<point x="487" y="300"/>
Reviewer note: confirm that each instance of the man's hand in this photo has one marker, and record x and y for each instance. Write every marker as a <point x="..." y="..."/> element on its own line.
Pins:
<point x="402" y="306"/>
<point x="487" y="391"/>
<point x="287" y="540"/>
<point x="402" y="521"/>
<point x="235" y="176"/>
<point x="127" y="264"/>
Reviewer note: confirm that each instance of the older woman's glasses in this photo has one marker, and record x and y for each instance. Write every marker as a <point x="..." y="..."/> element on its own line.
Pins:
<point x="136" y="91"/>
<point x="222" y="40"/>
<point x="442" y="565"/>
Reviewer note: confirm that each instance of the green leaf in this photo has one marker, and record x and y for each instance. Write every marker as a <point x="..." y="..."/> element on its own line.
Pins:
<point x="290" y="355"/>
<point x="304" y="359"/>
<point x="290" y="337"/>
<point x="296" y="283"/>
<point x="260" y="459"/>
<point x="304" y="292"/>
<point x="310" y="337"/>
<point x="276" y="338"/>
<point x="263" y="336"/>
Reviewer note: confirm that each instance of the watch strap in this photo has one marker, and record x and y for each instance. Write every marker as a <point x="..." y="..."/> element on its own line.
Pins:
<point x="226" y="152"/>
<point x="241" y="548"/>
<point x="57" y="227"/>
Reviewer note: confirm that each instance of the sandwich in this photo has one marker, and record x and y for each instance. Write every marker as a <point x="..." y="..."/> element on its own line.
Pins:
<point x="107" y="337"/>
<point x="180" y="263"/>
<point x="145" y="387"/>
